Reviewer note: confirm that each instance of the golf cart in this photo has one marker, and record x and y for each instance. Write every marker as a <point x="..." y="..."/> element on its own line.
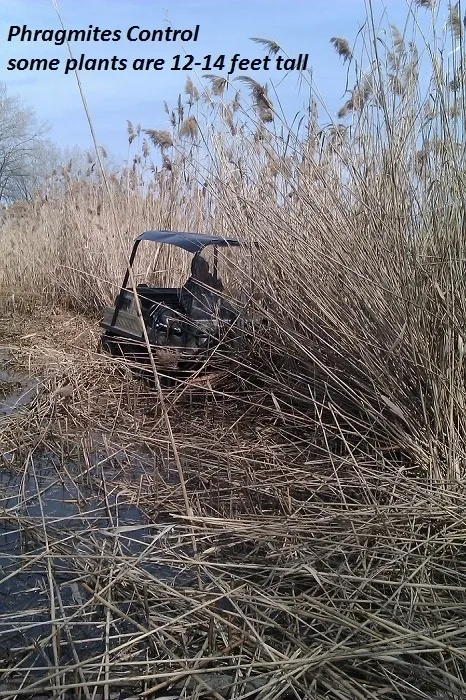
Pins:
<point x="188" y="327"/>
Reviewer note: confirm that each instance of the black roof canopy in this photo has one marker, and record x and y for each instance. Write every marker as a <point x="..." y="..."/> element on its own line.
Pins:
<point x="192" y="242"/>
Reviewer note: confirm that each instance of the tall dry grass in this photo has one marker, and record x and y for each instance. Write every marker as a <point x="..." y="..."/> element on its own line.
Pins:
<point x="326" y="480"/>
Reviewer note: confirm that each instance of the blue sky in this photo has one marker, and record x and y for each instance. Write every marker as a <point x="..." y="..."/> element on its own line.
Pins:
<point x="299" y="26"/>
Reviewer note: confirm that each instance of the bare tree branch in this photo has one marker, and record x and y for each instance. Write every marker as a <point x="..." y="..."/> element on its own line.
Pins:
<point x="23" y="147"/>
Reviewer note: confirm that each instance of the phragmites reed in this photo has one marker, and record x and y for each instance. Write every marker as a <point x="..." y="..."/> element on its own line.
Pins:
<point x="261" y="101"/>
<point x="396" y="85"/>
<point x="218" y="84"/>
<point x="338" y="135"/>
<point x="342" y="48"/>
<point x="145" y="148"/>
<point x="454" y="21"/>
<point x="359" y="96"/>
<point x="457" y="81"/>
<point x="312" y="543"/>
<point x="131" y="132"/>
<point x="272" y="47"/>
<point x="191" y="90"/>
<point x="227" y="114"/>
<point x="189" y="128"/>
<point x="397" y="57"/>
<point x="180" y="110"/>
<point x="236" y="103"/>
<point x="397" y="38"/>
<point x="427" y="4"/>
<point x="160" y="138"/>
<point x="166" y="163"/>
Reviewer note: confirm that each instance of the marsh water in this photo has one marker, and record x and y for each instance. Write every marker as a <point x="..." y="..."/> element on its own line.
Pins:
<point x="55" y="518"/>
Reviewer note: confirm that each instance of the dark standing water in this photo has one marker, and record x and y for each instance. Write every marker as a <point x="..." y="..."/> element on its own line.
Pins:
<point x="58" y="527"/>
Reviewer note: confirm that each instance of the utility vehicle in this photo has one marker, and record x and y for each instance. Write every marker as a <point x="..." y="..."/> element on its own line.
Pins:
<point x="191" y="328"/>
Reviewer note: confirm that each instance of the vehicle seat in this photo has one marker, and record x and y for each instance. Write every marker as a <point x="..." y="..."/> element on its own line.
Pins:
<point x="198" y="294"/>
<point x="188" y="292"/>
